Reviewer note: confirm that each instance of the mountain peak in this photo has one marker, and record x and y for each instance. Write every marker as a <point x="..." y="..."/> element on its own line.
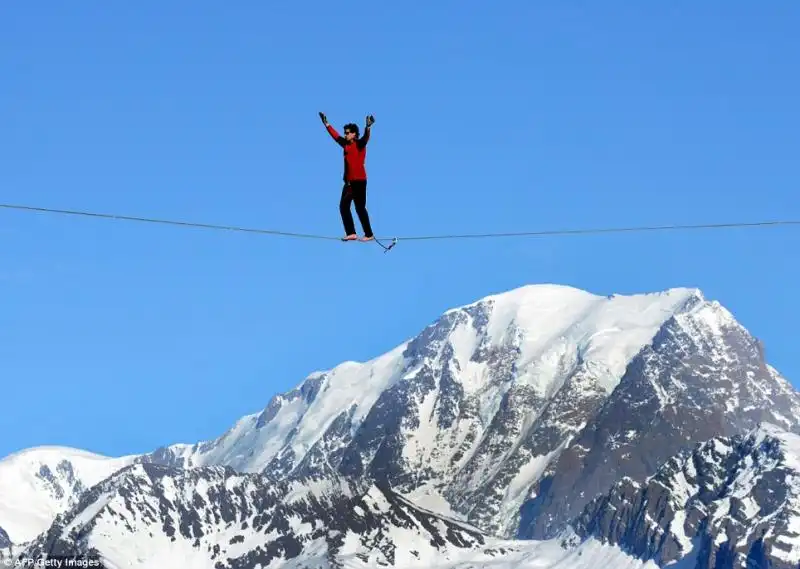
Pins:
<point x="537" y="333"/>
<point x="538" y="294"/>
<point x="484" y="394"/>
<point x="39" y="482"/>
<point x="557" y="325"/>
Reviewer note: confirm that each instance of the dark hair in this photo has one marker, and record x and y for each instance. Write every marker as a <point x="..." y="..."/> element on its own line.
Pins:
<point x="351" y="127"/>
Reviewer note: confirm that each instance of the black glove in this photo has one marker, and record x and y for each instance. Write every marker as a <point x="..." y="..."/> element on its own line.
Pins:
<point x="324" y="118"/>
<point x="370" y="120"/>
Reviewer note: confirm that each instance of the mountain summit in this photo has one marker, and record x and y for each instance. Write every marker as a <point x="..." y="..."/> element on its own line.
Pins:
<point x="463" y="416"/>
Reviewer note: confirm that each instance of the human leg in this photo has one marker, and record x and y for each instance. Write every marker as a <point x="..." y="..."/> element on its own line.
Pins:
<point x="344" y="210"/>
<point x="360" y="200"/>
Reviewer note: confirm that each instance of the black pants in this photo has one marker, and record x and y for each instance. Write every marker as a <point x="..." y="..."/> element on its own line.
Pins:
<point x="355" y="191"/>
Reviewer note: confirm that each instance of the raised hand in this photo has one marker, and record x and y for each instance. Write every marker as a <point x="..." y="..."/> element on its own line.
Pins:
<point x="370" y="120"/>
<point x="324" y="118"/>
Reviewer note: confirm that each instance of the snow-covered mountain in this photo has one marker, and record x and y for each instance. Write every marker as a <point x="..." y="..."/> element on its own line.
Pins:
<point x="732" y="502"/>
<point x="512" y="414"/>
<point x="151" y="514"/>
<point x="36" y="484"/>
<point x="211" y="517"/>
<point x="502" y="399"/>
<point x="464" y="416"/>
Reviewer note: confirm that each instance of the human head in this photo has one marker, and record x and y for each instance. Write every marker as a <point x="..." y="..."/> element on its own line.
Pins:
<point x="351" y="131"/>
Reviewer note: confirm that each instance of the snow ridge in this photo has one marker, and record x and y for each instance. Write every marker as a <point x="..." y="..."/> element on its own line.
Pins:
<point x="38" y="483"/>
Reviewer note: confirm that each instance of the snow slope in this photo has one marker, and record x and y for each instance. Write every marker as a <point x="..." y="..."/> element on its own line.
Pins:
<point x="38" y="483"/>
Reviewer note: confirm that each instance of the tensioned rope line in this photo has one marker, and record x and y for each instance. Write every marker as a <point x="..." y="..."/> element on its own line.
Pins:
<point x="604" y="230"/>
<point x="412" y="237"/>
<point x="166" y="221"/>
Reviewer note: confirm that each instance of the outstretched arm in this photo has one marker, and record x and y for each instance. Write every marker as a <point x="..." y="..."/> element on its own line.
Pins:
<point x="335" y="135"/>
<point x="332" y="131"/>
<point x="362" y="142"/>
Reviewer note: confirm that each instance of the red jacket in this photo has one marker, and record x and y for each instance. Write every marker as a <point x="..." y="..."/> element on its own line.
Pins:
<point x="355" y="154"/>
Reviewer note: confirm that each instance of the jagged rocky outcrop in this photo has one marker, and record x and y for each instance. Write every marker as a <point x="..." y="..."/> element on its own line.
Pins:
<point x="702" y="376"/>
<point x="216" y="517"/>
<point x="5" y="541"/>
<point x="732" y="503"/>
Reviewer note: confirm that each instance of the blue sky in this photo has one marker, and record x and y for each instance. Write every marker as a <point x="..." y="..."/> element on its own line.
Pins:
<point x="119" y="337"/>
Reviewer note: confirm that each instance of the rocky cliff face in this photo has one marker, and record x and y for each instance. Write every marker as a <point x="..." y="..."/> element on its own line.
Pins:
<point x="5" y="541"/>
<point x="732" y="503"/>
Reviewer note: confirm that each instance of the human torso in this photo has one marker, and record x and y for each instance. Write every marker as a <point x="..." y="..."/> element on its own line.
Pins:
<point x="354" y="162"/>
